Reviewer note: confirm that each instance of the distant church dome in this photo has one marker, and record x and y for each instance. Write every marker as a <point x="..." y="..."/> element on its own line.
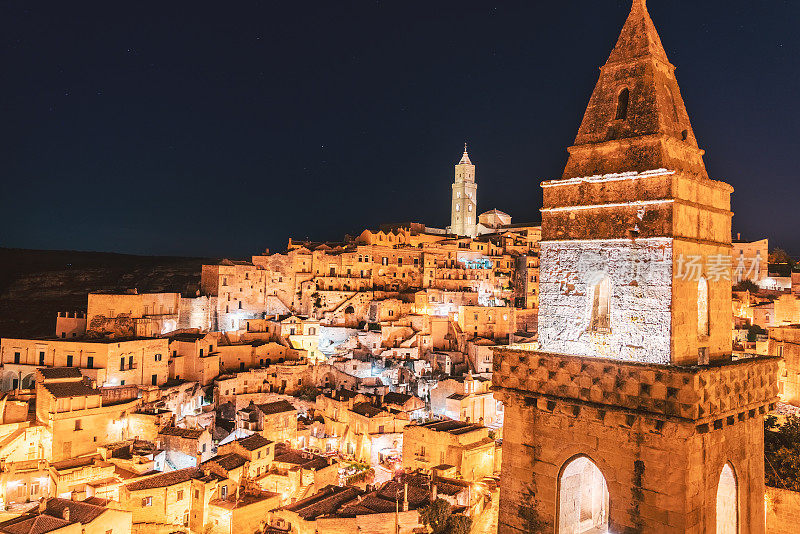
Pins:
<point x="494" y="218"/>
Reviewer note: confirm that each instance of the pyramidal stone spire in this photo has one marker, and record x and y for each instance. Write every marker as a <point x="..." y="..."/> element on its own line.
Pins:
<point x="636" y="119"/>
<point x="465" y="157"/>
<point x="638" y="36"/>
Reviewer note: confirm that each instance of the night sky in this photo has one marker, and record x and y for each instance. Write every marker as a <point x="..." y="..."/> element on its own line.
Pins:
<point x="219" y="129"/>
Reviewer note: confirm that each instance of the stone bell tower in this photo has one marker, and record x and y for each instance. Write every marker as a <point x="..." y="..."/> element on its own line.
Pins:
<point x="632" y="416"/>
<point x="464" y="205"/>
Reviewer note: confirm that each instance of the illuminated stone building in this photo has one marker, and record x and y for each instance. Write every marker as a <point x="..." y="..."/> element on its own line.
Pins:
<point x="464" y="208"/>
<point x="784" y="342"/>
<point x="80" y="417"/>
<point x="336" y="282"/>
<point x="632" y="416"/>
<point x="750" y="259"/>
<point x="107" y="361"/>
<point x="148" y="314"/>
<point x="63" y="516"/>
<point x="463" y="449"/>
<point x="240" y="291"/>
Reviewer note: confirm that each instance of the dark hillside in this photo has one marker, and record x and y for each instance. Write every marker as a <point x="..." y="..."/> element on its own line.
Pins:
<point x="36" y="284"/>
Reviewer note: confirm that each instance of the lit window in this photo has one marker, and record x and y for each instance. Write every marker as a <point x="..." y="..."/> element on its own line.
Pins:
<point x="702" y="307"/>
<point x="601" y="307"/>
<point x="727" y="509"/>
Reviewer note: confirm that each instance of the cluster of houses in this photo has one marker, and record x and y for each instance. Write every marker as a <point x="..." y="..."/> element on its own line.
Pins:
<point x="156" y="412"/>
<point x="147" y="411"/>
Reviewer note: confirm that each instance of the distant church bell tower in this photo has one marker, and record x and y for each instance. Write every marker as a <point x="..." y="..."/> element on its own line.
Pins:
<point x="463" y="209"/>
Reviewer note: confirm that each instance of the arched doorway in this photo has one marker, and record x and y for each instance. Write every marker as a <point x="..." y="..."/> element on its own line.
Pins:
<point x="28" y="381"/>
<point x="9" y="379"/>
<point x="727" y="499"/>
<point x="582" y="498"/>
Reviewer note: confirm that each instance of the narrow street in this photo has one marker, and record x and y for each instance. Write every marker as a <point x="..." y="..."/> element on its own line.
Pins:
<point x="487" y="522"/>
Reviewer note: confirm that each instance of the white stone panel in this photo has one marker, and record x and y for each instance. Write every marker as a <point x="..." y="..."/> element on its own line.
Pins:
<point x="640" y="272"/>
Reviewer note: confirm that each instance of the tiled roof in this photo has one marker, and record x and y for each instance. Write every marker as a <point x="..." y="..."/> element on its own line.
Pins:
<point x="324" y="502"/>
<point x="78" y="511"/>
<point x="188" y="433"/>
<point x="62" y="390"/>
<point x="344" y="394"/>
<point x="55" y="373"/>
<point x="40" y="524"/>
<point x="306" y="459"/>
<point x="229" y="461"/>
<point x="53" y="517"/>
<point x="418" y="490"/>
<point x="256" y="441"/>
<point x="280" y="406"/>
<point x="453" y="427"/>
<point x="97" y="500"/>
<point x="366" y="409"/>
<point x="396" y="398"/>
<point x="165" y="479"/>
<point x="450" y="486"/>
<point x="348" y="501"/>
<point x="244" y="500"/>
<point x="82" y="461"/>
<point x="186" y="336"/>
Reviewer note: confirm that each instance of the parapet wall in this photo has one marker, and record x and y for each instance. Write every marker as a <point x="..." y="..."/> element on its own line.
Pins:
<point x="703" y="394"/>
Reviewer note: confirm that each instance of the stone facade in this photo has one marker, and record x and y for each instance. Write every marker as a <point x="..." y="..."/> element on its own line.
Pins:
<point x="784" y="342"/>
<point x="659" y="434"/>
<point x="640" y="301"/>
<point x="464" y="208"/>
<point x="633" y="417"/>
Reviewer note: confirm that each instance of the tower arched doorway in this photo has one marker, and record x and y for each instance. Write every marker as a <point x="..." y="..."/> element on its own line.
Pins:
<point x="582" y="498"/>
<point x="727" y="502"/>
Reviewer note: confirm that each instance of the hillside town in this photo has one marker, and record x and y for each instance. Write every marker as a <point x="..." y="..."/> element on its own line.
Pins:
<point x="356" y="386"/>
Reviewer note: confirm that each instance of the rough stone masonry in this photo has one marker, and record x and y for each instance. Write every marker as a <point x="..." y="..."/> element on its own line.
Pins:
<point x="633" y="417"/>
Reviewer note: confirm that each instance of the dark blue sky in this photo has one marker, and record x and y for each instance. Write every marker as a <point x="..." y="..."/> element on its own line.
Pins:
<point x="221" y="128"/>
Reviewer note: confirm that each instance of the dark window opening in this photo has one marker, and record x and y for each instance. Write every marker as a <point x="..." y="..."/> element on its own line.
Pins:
<point x="622" y="104"/>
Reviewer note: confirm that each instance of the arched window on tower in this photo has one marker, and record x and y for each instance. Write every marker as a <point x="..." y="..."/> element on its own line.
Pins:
<point x="601" y="306"/>
<point x="582" y="498"/>
<point x="702" y="307"/>
<point x="727" y="502"/>
<point x="622" y="104"/>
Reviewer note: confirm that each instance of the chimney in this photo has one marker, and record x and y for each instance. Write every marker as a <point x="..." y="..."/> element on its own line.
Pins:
<point x="405" y="498"/>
